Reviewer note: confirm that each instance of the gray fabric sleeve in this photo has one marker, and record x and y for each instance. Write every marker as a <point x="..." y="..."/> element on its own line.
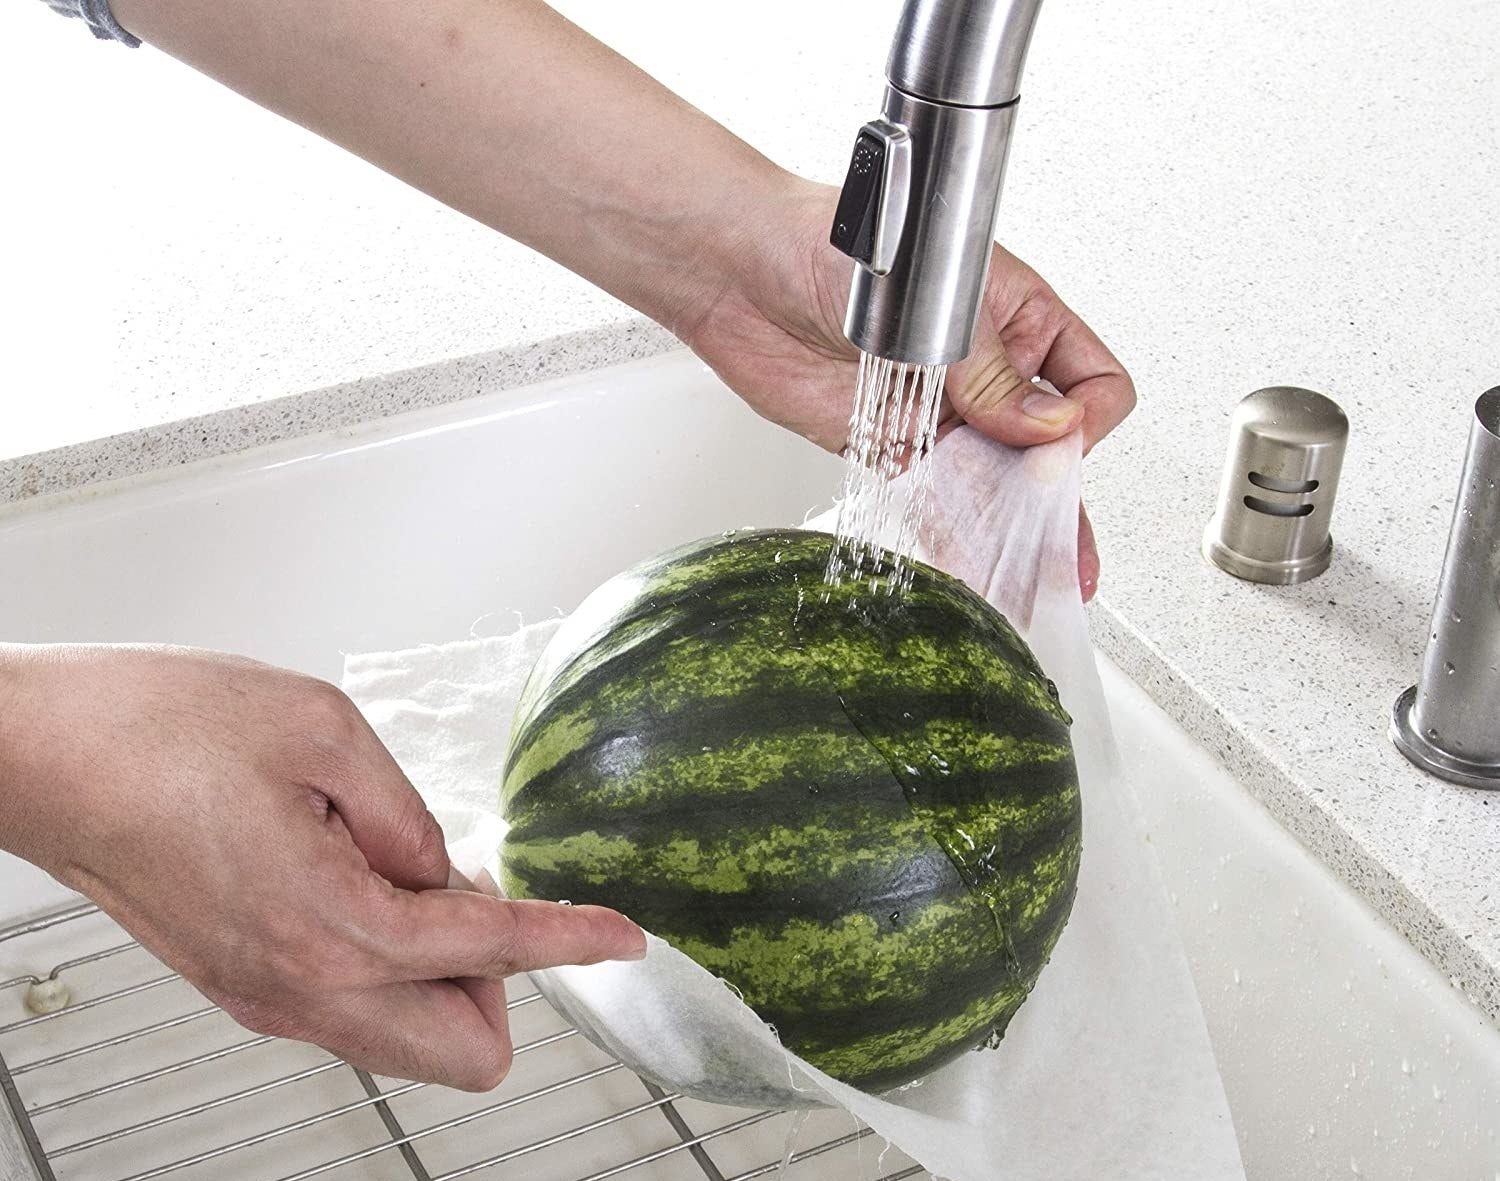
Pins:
<point x="97" y="15"/>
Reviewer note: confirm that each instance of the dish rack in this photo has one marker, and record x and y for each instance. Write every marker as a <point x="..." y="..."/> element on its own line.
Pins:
<point x="137" y="1078"/>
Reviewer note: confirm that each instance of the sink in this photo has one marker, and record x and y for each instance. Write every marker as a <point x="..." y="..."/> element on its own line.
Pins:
<point x="1344" y="1053"/>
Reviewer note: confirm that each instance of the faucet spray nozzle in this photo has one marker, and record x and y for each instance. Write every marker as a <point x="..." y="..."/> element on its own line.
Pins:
<point x="919" y="204"/>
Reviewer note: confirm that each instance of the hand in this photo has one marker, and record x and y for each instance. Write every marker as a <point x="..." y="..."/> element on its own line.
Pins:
<point x="513" y="115"/>
<point x="776" y="337"/>
<point x="249" y="828"/>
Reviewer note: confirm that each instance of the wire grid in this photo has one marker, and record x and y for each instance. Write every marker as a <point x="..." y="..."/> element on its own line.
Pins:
<point x="78" y="1118"/>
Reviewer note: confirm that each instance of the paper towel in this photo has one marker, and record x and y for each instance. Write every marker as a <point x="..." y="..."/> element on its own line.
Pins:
<point x="1107" y="1070"/>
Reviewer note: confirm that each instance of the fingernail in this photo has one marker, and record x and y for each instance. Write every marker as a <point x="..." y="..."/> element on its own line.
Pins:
<point x="640" y="952"/>
<point x="1048" y="408"/>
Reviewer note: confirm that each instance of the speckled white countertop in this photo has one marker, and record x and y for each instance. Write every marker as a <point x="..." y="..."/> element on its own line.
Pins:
<point x="1236" y="196"/>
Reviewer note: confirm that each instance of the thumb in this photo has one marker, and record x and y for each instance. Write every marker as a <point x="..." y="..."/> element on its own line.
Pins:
<point x="459" y="933"/>
<point x="999" y="402"/>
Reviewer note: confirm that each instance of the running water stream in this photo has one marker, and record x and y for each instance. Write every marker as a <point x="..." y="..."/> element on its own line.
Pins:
<point x="892" y="428"/>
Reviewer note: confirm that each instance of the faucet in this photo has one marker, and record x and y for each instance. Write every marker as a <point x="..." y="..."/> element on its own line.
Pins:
<point x="918" y="208"/>
<point x="1448" y="723"/>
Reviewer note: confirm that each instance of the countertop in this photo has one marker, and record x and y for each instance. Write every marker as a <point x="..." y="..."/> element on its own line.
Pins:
<point x="1235" y="196"/>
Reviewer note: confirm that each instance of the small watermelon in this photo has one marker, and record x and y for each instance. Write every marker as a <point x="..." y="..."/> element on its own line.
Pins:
<point x="861" y="810"/>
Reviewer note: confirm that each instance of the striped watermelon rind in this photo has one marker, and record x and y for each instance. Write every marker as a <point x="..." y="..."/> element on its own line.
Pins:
<point x="860" y="810"/>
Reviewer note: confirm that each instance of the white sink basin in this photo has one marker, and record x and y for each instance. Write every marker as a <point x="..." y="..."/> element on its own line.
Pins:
<point x="1344" y="1053"/>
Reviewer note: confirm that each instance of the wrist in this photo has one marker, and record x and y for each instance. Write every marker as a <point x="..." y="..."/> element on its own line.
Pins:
<point x="719" y="239"/>
<point x="775" y="262"/>
<point x="52" y="784"/>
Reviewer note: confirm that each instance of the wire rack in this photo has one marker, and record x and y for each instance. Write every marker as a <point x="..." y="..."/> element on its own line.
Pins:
<point x="137" y="1077"/>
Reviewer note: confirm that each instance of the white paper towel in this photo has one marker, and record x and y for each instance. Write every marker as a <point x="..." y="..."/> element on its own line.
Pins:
<point x="1106" y="1072"/>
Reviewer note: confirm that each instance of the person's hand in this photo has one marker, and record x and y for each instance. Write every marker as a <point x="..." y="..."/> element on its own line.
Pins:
<point x="520" y="119"/>
<point x="249" y="828"/>
<point x="776" y="337"/>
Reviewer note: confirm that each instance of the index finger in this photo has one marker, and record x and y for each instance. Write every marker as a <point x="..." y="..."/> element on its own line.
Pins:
<point x="456" y="933"/>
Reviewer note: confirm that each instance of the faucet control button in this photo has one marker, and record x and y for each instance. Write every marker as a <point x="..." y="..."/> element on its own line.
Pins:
<point x="859" y="204"/>
<point x="872" y="208"/>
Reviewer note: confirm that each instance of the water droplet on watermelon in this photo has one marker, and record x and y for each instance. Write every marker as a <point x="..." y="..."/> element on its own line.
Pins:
<point x="1012" y="957"/>
<point x="939" y="763"/>
<point x="813" y="788"/>
<point x="564" y="902"/>
<point x="895" y="917"/>
<point x="1052" y="689"/>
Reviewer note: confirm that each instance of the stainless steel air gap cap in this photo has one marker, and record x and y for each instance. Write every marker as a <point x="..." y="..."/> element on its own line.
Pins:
<point x="1286" y="446"/>
<point x="1449" y="722"/>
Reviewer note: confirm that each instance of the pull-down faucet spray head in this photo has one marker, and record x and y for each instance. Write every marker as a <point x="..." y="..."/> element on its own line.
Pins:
<point x="919" y="204"/>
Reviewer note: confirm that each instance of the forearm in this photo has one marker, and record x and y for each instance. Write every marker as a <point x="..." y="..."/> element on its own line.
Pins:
<point x="26" y="731"/>
<point x="507" y="112"/>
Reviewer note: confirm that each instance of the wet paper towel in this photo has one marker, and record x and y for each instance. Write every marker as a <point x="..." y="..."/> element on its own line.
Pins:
<point x="1106" y="1072"/>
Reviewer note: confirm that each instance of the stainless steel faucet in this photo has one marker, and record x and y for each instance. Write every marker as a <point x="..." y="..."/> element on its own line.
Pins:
<point x="920" y="201"/>
<point x="1449" y="722"/>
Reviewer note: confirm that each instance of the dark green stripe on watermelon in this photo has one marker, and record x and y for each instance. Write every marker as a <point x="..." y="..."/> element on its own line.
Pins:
<point x="862" y="811"/>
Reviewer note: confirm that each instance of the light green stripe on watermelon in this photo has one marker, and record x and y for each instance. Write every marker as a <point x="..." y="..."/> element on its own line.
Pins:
<point x="730" y="863"/>
<point x="699" y="570"/>
<point x="752" y="760"/>
<point x="694" y="673"/>
<point x="1047" y="878"/>
<point x="654" y="597"/>
<point x="698" y="669"/>
<point x="564" y="733"/>
<point x="829" y="844"/>
<point x="900" y="1051"/>
<point x="965" y="745"/>
<point x="814" y="754"/>
<point x="811" y="966"/>
<point x="865" y="665"/>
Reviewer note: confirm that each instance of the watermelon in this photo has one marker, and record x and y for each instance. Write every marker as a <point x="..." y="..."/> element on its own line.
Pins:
<point x="859" y="809"/>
